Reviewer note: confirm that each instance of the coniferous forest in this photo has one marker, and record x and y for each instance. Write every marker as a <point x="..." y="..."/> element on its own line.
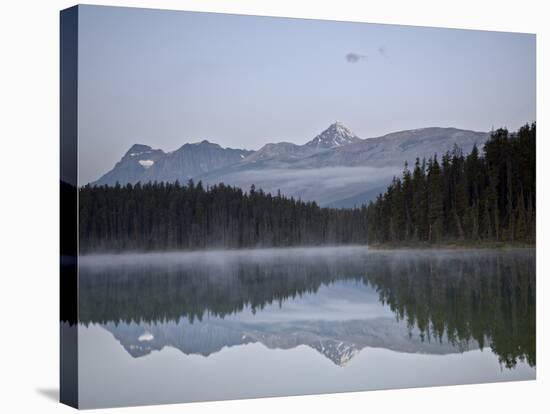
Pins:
<point x="161" y="216"/>
<point x="485" y="196"/>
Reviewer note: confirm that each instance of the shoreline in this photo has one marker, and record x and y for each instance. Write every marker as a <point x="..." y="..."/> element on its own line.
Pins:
<point x="452" y="245"/>
<point x="281" y="249"/>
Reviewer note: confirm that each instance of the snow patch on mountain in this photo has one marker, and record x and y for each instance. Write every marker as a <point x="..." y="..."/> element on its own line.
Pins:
<point x="336" y="135"/>
<point x="146" y="163"/>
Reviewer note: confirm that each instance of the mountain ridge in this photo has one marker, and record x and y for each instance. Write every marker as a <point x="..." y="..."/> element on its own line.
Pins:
<point x="142" y="163"/>
<point x="335" y="168"/>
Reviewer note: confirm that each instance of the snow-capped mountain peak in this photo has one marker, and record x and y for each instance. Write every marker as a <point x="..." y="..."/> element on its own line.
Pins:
<point x="142" y="163"/>
<point x="335" y="135"/>
<point x="138" y="150"/>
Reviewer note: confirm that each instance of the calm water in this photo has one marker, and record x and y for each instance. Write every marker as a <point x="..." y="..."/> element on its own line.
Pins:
<point x="178" y="327"/>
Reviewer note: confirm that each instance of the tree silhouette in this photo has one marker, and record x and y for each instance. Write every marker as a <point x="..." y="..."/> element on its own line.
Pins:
<point x="474" y="198"/>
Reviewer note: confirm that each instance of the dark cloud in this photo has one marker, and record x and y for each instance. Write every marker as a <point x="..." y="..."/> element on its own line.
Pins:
<point x="354" y="57"/>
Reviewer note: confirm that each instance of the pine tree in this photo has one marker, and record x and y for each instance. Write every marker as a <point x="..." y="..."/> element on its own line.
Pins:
<point x="476" y="198"/>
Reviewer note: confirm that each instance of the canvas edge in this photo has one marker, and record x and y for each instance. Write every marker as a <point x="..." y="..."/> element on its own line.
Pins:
<point x="68" y="282"/>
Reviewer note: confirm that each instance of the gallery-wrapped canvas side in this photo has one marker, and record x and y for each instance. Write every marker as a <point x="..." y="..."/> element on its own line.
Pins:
<point x="68" y="207"/>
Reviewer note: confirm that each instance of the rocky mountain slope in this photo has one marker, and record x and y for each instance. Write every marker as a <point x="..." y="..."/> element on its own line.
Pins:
<point x="335" y="168"/>
<point x="143" y="164"/>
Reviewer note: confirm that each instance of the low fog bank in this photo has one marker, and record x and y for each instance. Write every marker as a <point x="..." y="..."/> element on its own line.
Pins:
<point x="294" y="254"/>
<point x="221" y="257"/>
<point x="324" y="185"/>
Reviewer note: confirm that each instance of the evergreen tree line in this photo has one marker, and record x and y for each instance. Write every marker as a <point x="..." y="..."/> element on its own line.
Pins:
<point x="488" y="197"/>
<point x="157" y="216"/>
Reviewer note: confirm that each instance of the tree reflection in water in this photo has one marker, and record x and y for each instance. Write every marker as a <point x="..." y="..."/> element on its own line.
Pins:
<point x="486" y="297"/>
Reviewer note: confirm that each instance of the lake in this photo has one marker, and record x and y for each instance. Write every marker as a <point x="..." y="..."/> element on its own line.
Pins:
<point x="195" y="326"/>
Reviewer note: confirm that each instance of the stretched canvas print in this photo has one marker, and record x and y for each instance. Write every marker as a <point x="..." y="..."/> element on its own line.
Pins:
<point x="256" y="206"/>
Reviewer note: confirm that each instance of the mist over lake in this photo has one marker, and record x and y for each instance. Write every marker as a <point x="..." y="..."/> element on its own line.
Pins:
<point x="191" y="326"/>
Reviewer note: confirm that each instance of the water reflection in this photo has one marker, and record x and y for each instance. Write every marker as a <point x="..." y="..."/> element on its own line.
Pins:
<point x="336" y="301"/>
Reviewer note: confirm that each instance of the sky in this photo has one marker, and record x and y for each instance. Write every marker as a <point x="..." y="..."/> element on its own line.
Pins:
<point x="165" y="78"/>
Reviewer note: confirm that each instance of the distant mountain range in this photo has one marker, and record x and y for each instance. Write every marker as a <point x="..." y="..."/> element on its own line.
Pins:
<point x="142" y="163"/>
<point x="336" y="168"/>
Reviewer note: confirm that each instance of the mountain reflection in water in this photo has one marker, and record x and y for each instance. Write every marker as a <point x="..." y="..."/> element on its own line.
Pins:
<point x="334" y="300"/>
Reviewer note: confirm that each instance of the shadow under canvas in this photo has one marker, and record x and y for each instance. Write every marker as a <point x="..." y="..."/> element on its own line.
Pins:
<point x="49" y="393"/>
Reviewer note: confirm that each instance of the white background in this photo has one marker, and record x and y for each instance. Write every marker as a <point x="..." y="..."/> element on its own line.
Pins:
<point x="29" y="159"/>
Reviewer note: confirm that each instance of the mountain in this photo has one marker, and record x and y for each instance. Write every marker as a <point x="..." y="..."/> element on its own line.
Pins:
<point x="396" y="148"/>
<point x="143" y="164"/>
<point x="337" y="146"/>
<point x="137" y="160"/>
<point x="344" y="175"/>
<point x="336" y="168"/>
<point x="191" y="160"/>
<point x="334" y="136"/>
<point x="280" y="151"/>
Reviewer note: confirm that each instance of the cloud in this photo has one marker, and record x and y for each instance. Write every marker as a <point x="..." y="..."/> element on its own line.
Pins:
<point x="355" y="57"/>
